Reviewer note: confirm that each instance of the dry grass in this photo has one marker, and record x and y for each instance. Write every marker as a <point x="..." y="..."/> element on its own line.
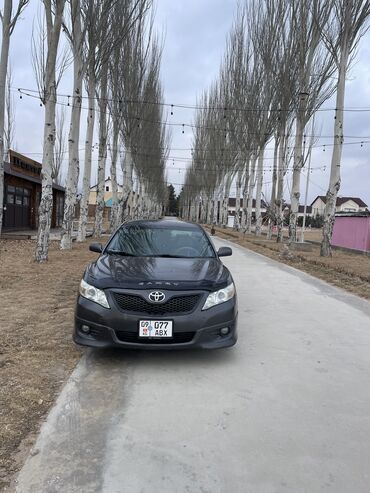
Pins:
<point x="349" y="271"/>
<point x="36" y="350"/>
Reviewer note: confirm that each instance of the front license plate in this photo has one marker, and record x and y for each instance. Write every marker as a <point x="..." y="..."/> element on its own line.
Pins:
<point x="155" y="328"/>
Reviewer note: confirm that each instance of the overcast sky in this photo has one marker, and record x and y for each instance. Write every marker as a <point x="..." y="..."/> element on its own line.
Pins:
<point x="195" y="32"/>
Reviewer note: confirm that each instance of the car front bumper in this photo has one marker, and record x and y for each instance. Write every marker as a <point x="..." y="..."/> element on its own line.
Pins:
<point x="116" y="328"/>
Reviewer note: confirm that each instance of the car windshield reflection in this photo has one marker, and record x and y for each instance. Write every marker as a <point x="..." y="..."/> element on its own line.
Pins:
<point x="145" y="241"/>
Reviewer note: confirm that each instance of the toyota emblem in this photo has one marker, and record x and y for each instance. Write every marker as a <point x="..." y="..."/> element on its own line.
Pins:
<point x="157" y="296"/>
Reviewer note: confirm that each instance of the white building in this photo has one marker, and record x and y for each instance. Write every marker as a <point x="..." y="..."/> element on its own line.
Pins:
<point x="344" y="204"/>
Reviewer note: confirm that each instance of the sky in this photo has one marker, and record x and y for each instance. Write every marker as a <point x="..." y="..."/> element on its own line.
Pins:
<point x="194" y="41"/>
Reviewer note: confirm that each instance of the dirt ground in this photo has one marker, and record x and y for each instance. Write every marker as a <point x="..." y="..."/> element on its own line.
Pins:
<point x="37" y="354"/>
<point x="349" y="271"/>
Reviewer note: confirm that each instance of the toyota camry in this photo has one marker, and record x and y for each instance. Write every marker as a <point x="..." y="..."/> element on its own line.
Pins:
<point x="157" y="285"/>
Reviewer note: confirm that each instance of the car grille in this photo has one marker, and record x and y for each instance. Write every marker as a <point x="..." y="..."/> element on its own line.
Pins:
<point x="178" y="338"/>
<point x="177" y="304"/>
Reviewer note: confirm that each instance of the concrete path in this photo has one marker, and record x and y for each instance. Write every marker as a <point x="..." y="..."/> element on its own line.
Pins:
<point x="286" y="410"/>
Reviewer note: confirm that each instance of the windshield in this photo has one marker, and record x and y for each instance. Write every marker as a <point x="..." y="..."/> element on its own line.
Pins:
<point x="142" y="240"/>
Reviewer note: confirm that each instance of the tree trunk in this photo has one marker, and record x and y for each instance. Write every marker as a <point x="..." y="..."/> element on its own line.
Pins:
<point x="100" y="203"/>
<point x="7" y="13"/>
<point x="127" y="186"/>
<point x="236" y="225"/>
<point x="272" y="205"/>
<point x="46" y="203"/>
<point x="259" y="192"/>
<point x="280" y="191"/>
<point x="50" y="99"/>
<point x="243" y="223"/>
<point x="114" y="220"/>
<point x="74" y="132"/>
<point x="296" y="182"/>
<point x="84" y="202"/>
<point x="335" y="178"/>
<point x="252" y="182"/>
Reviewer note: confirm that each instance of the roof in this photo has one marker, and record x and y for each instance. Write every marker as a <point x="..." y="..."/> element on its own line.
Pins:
<point x="232" y="203"/>
<point x="9" y="171"/>
<point x="343" y="200"/>
<point x="300" y="208"/>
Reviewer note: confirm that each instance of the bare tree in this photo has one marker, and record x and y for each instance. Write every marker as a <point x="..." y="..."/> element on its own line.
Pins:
<point x="45" y="68"/>
<point x="315" y="68"/>
<point x="97" y="47"/>
<point x="76" y="37"/>
<point x="8" y="20"/>
<point x="349" y="23"/>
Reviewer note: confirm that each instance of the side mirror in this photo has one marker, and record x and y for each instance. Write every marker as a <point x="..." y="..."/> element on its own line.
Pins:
<point x="224" y="252"/>
<point x="96" y="247"/>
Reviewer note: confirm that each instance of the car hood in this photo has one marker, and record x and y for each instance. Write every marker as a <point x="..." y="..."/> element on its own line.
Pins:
<point x="113" y="271"/>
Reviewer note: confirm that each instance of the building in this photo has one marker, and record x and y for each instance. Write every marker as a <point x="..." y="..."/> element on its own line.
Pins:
<point x="22" y="194"/>
<point x="107" y="198"/>
<point x="352" y="230"/>
<point x="232" y="206"/>
<point x="344" y="204"/>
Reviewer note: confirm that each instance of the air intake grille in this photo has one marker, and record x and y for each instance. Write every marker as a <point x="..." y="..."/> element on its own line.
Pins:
<point x="177" y="304"/>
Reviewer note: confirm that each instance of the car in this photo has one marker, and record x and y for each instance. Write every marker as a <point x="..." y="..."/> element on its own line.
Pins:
<point x="157" y="284"/>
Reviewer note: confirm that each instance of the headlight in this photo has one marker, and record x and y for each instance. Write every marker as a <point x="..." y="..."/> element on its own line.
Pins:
<point x="93" y="294"/>
<point x="220" y="296"/>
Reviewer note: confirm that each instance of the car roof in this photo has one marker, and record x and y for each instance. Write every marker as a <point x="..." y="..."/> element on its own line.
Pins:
<point x="164" y="223"/>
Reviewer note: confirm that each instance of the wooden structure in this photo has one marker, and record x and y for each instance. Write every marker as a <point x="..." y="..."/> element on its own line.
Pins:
<point x="22" y="194"/>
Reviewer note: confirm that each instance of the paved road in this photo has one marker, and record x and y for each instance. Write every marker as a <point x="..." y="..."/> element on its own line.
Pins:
<point x="286" y="410"/>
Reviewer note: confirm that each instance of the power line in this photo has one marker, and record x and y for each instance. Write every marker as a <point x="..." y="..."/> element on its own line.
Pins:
<point x="172" y="106"/>
<point x="195" y="126"/>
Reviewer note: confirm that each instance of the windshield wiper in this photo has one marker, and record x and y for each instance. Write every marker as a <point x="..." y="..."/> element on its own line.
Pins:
<point x="117" y="252"/>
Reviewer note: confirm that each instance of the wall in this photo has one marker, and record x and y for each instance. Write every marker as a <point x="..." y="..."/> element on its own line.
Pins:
<point x="352" y="232"/>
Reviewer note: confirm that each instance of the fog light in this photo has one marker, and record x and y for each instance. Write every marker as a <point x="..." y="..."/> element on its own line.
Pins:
<point x="85" y="329"/>
<point x="224" y="331"/>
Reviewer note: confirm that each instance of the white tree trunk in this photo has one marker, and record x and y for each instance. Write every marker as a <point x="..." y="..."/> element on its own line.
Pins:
<point x="209" y="209"/>
<point x="127" y="186"/>
<point x="84" y="202"/>
<point x="280" y="191"/>
<point x="258" y="230"/>
<point x="114" y="220"/>
<point x="243" y="222"/>
<point x="74" y="131"/>
<point x="252" y="182"/>
<point x="335" y="178"/>
<point x="272" y="205"/>
<point x="236" y="225"/>
<point x="296" y="181"/>
<point x="100" y="203"/>
<point x="46" y="203"/>
<point x="7" y="13"/>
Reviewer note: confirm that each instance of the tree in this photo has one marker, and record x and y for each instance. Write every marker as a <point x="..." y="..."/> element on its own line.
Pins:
<point x="47" y="80"/>
<point x="172" y="201"/>
<point x="314" y="71"/>
<point x="76" y="36"/>
<point x="8" y="20"/>
<point x="349" y="23"/>
<point x="97" y="47"/>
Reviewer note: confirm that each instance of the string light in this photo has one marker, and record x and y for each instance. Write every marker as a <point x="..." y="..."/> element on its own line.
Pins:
<point x="195" y="126"/>
<point x="195" y="107"/>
